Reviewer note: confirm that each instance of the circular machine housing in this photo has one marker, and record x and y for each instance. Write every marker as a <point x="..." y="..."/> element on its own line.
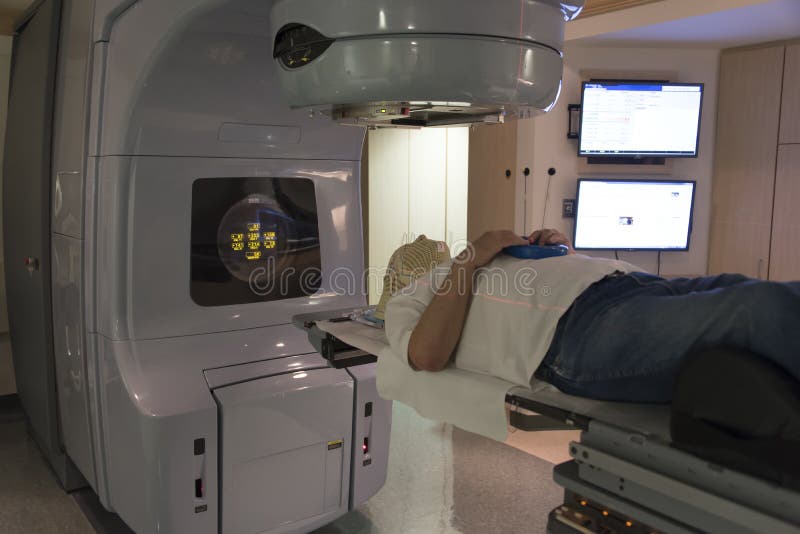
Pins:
<point x="421" y="62"/>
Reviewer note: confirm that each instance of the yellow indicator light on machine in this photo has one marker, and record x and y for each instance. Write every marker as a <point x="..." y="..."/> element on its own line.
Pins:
<point x="237" y="238"/>
<point x="237" y="246"/>
<point x="269" y="244"/>
<point x="253" y="227"/>
<point x="269" y="235"/>
<point x="605" y="512"/>
<point x="253" y="255"/>
<point x="253" y="245"/>
<point x="253" y="236"/>
<point x="583" y="503"/>
<point x="628" y="524"/>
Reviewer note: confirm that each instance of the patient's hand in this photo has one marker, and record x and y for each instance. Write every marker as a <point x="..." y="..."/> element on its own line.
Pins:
<point x="486" y="247"/>
<point x="549" y="236"/>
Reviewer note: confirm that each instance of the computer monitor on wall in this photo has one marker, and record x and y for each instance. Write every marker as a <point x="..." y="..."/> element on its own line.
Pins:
<point x="634" y="214"/>
<point x="639" y="119"/>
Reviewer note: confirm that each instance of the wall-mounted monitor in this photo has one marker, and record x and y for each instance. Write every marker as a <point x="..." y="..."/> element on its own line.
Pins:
<point x="640" y="119"/>
<point x="633" y="214"/>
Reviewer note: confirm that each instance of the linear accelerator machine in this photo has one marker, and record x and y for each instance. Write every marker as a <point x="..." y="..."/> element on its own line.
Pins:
<point x="176" y="192"/>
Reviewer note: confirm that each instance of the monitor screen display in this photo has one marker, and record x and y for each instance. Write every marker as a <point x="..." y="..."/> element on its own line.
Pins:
<point x="633" y="214"/>
<point x="640" y="119"/>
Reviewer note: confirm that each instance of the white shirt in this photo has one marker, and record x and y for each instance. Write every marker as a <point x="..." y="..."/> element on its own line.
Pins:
<point x="513" y="314"/>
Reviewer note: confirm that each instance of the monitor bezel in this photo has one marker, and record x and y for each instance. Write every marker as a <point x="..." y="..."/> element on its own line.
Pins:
<point x="641" y="155"/>
<point x="634" y="180"/>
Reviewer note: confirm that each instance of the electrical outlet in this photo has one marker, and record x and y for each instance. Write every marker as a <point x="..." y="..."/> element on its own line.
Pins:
<point x="568" y="208"/>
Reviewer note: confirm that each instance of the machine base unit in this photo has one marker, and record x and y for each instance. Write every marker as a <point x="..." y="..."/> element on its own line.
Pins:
<point x="295" y="447"/>
<point x="648" y="482"/>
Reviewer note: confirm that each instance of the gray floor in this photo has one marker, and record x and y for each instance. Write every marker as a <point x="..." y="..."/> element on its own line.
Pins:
<point x="31" y="501"/>
<point x="440" y="480"/>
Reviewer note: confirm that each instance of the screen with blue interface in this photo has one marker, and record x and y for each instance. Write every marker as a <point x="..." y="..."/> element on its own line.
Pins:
<point x="633" y="214"/>
<point x="640" y="119"/>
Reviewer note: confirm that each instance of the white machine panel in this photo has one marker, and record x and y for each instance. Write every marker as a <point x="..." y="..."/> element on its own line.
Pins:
<point x="419" y="62"/>
<point x="428" y="68"/>
<point x="70" y="118"/>
<point x="235" y="374"/>
<point x="372" y="428"/>
<point x="524" y="21"/>
<point x="68" y="203"/>
<point x="195" y="78"/>
<point x="69" y="353"/>
<point x="285" y="451"/>
<point x="149" y="243"/>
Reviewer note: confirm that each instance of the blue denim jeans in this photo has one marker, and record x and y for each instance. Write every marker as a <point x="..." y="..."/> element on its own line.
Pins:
<point x="624" y="338"/>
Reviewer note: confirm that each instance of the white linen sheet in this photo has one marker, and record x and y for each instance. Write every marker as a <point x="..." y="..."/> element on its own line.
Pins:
<point x="476" y="402"/>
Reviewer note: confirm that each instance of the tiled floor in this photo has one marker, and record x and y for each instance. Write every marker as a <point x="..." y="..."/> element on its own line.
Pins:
<point x="440" y="480"/>
<point x="31" y="501"/>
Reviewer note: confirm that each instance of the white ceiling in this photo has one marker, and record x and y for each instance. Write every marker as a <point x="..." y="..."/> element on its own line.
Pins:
<point x="768" y="21"/>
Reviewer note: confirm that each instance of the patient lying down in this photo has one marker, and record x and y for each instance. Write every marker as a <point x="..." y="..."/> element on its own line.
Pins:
<point x="592" y="327"/>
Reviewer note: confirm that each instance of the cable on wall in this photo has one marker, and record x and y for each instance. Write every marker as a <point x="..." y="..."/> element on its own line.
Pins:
<point x="550" y="173"/>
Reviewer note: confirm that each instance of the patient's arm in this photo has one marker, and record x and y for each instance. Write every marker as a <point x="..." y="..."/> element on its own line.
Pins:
<point x="436" y="335"/>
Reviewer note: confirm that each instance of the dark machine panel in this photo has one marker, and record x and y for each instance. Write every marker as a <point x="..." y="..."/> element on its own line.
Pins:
<point x="254" y="240"/>
<point x="26" y="228"/>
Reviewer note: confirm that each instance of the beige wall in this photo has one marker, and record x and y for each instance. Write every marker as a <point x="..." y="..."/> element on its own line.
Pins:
<point x="7" y="385"/>
<point x="552" y="148"/>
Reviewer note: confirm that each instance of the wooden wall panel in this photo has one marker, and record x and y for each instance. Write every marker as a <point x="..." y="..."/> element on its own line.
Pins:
<point x="785" y="249"/>
<point x="744" y="174"/>
<point x="491" y="199"/>
<point x="790" y="107"/>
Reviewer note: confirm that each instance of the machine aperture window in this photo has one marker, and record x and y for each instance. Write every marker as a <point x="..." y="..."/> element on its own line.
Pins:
<point x="254" y="240"/>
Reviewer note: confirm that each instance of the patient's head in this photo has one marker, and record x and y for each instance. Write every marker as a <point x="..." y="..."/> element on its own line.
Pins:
<point x="408" y="263"/>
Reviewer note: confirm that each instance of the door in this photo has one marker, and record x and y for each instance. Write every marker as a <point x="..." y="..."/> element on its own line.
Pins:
<point x="26" y="223"/>
<point x="790" y="106"/>
<point x="784" y="262"/>
<point x="744" y="160"/>
<point x="492" y="178"/>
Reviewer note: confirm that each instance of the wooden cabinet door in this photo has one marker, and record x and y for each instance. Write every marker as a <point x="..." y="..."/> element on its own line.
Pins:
<point x="492" y="178"/>
<point x="784" y="261"/>
<point x="790" y="107"/>
<point x="744" y="174"/>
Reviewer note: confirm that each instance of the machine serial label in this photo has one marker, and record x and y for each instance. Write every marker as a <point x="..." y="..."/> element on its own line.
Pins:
<point x="367" y="462"/>
<point x="335" y="444"/>
<point x="199" y="509"/>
